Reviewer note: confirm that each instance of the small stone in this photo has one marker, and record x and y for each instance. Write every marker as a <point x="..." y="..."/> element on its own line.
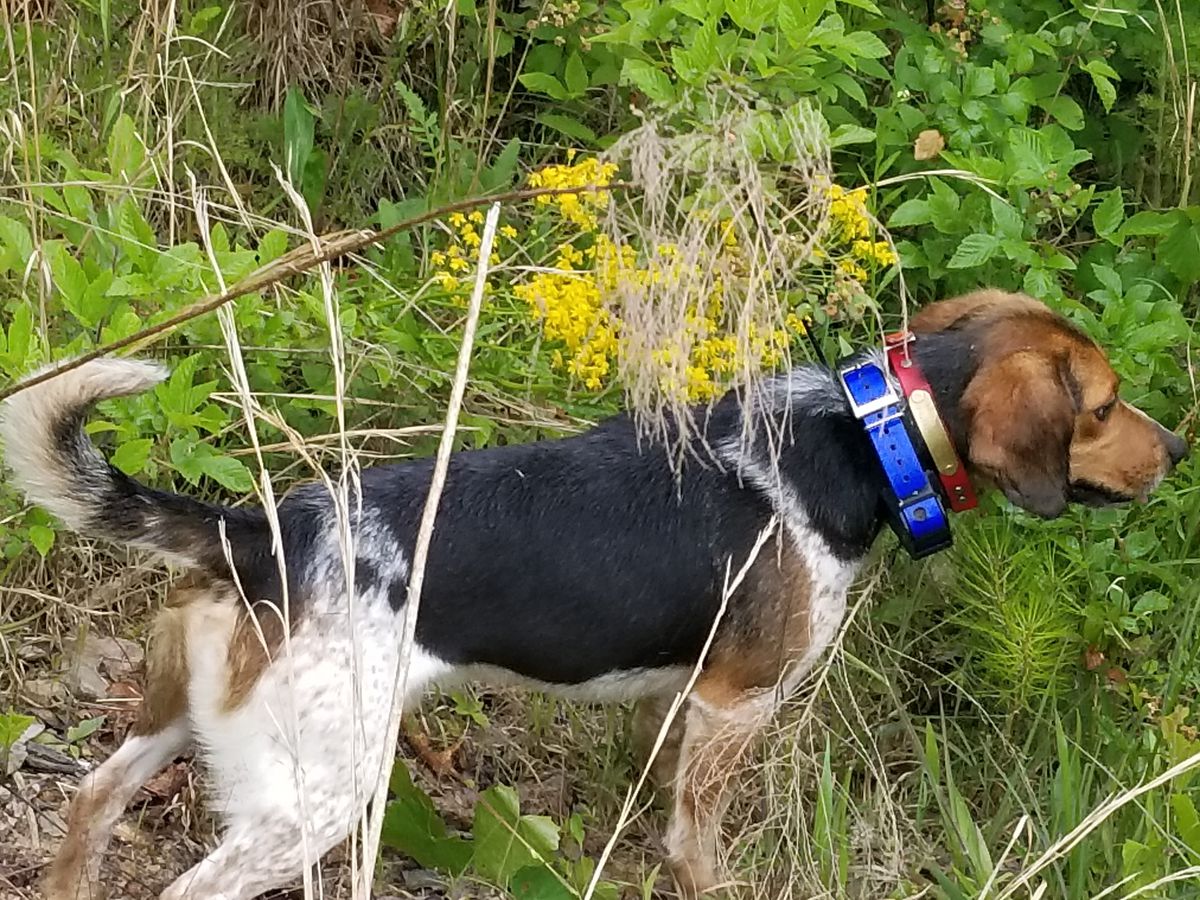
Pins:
<point x="98" y="661"/>
<point x="43" y="692"/>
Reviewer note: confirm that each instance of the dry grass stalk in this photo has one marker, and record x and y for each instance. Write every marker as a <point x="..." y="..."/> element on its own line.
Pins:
<point x="695" y="192"/>
<point x="373" y="828"/>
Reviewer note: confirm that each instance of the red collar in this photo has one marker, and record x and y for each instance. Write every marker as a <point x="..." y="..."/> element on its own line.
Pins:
<point x="956" y="484"/>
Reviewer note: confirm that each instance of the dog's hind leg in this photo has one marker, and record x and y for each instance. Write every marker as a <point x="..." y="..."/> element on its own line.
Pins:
<point x="161" y="733"/>
<point x="719" y="731"/>
<point x="294" y="765"/>
<point x="648" y="717"/>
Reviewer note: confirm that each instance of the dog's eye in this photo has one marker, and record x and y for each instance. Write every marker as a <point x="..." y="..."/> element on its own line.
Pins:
<point x="1103" y="411"/>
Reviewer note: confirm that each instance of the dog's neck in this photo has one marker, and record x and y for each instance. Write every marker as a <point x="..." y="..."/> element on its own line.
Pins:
<point x="808" y="443"/>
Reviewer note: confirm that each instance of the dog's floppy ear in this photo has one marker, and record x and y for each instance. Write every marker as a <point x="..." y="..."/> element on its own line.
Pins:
<point x="1020" y="417"/>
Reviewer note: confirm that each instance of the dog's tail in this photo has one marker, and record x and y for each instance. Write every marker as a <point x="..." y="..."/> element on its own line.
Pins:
<point x="57" y="466"/>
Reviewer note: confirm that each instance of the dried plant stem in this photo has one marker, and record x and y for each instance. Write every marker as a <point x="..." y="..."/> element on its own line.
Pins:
<point x="424" y="538"/>
<point x="294" y="263"/>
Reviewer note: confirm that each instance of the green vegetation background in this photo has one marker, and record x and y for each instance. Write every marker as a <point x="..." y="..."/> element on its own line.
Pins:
<point x="1006" y="689"/>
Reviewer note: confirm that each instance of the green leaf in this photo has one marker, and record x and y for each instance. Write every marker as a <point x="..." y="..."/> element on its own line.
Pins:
<point x="70" y="279"/>
<point x="1187" y="822"/>
<point x="979" y="82"/>
<point x="797" y="18"/>
<point x="12" y="726"/>
<point x="19" y="345"/>
<point x="131" y="456"/>
<point x="1179" y="251"/>
<point x="703" y="51"/>
<point x="1063" y="108"/>
<point x="84" y="729"/>
<point x="974" y="250"/>
<point x="272" y="246"/>
<point x="850" y="134"/>
<point x="750" y="15"/>
<point x="1041" y="283"/>
<point x="542" y="83"/>
<point x="650" y="80"/>
<point x="1103" y="76"/>
<point x="503" y="169"/>
<point x="575" y="76"/>
<point x="42" y="538"/>
<point x="228" y="472"/>
<point x="1008" y="220"/>
<point x="299" y="126"/>
<point x="572" y="128"/>
<point x="865" y="44"/>
<point x="1148" y="223"/>
<point x="193" y="459"/>
<point x="911" y="212"/>
<point x="16" y="246"/>
<point x="540" y="883"/>
<point x="506" y="841"/>
<point x="1107" y="217"/>
<point x="126" y="152"/>
<point x="412" y="825"/>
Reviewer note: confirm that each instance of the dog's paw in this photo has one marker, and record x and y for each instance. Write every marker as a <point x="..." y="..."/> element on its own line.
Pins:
<point x="694" y="878"/>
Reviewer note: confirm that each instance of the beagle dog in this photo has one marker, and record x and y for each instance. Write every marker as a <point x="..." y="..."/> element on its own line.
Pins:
<point x="585" y="566"/>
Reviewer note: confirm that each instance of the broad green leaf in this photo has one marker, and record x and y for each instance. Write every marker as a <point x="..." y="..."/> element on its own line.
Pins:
<point x="506" y="841"/>
<point x="543" y="83"/>
<point x="540" y="883"/>
<point x="911" y="212"/>
<point x="193" y="459"/>
<point x="974" y="250"/>
<point x="850" y="134"/>
<point x="503" y="169"/>
<point x="228" y="472"/>
<point x="299" y="127"/>
<point x="1008" y="220"/>
<point x="131" y="456"/>
<point x="865" y="44"/>
<point x="1179" y="251"/>
<point x="412" y="825"/>
<point x="272" y="246"/>
<point x="1148" y="222"/>
<point x="84" y="729"/>
<point x="651" y="81"/>
<point x="126" y="152"/>
<point x="572" y="128"/>
<point x="704" y="47"/>
<point x="1103" y="76"/>
<point x="1187" y="822"/>
<point x="979" y="82"/>
<point x="797" y="18"/>
<point x="12" y="726"/>
<point x="1041" y="283"/>
<point x="1063" y="108"/>
<point x="575" y="76"/>
<point x="19" y="342"/>
<point x="69" y="278"/>
<point x="750" y="15"/>
<point x="16" y="246"/>
<point x="1107" y="217"/>
<point x="42" y="538"/>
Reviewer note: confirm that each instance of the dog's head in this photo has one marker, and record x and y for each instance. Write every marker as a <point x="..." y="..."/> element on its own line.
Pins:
<point x="1034" y="406"/>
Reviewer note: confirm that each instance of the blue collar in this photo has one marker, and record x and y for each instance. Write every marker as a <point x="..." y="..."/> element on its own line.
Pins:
<point x="914" y="508"/>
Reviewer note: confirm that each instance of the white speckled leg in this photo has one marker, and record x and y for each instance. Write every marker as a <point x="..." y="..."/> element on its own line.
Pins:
<point x="294" y="766"/>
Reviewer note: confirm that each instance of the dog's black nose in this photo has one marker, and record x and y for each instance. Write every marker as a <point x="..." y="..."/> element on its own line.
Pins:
<point x="1177" y="447"/>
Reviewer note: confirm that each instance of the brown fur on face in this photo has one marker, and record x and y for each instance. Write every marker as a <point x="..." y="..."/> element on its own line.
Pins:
<point x="1041" y="415"/>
